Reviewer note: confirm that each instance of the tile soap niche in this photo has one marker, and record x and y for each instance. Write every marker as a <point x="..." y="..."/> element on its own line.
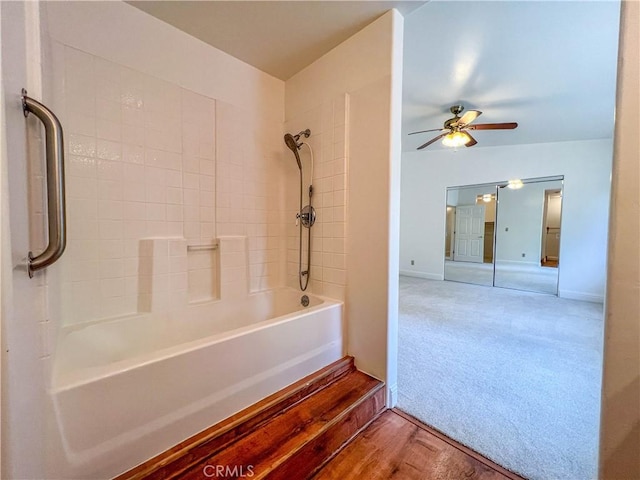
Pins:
<point x="203" y="272"/>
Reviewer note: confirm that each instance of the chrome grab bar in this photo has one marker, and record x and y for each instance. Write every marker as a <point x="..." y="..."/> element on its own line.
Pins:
<point x="55" y="185"/>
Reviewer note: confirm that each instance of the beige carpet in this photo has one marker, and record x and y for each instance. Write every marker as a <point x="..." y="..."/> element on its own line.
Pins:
<point x="513" y="375"/>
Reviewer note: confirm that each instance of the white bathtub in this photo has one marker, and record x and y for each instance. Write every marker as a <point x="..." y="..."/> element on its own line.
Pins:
<point x="124" y="390"/>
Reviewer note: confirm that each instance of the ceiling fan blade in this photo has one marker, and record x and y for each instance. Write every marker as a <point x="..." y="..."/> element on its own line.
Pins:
<point x="493" y="126"/>
<point x="433" y="140"/>
<point x="425" y="131"/>
<point x="472" y="141"/>
<point x="468" y="117"/>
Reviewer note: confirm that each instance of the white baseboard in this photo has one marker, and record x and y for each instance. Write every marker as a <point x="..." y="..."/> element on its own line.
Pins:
<point x="392" y="395"/>
<point x="428" y="276"/>
<point x="585" y="297"/>
<point x="535" y="263"/>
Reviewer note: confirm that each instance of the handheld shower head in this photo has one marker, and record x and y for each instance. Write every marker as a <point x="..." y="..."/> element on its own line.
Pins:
<point x="292" y="143"/>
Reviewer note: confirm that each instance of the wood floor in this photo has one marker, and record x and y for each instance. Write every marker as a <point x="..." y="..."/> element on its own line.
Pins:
<point x="330" y="425"/>
<point x="400" y="447"/>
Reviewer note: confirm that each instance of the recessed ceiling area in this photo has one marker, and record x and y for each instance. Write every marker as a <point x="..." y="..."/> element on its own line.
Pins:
<point x="279" y="38"/>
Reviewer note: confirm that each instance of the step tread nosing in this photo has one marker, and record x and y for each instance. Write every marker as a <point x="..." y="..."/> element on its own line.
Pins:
<point x="333" y="423"/>
<point x="274" y="457"/>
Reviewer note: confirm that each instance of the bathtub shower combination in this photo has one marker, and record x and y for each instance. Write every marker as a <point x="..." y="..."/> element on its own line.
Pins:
<point x="125" y="388"/>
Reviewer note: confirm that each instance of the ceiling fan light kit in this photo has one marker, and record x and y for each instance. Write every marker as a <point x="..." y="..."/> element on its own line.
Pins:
<point x="455" y="130"/>
<point x="456" y="139"/>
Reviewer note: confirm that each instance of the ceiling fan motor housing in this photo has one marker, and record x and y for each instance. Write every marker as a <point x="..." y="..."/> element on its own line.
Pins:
<point x="456" y="110"/>
<point x="447" y="123"/>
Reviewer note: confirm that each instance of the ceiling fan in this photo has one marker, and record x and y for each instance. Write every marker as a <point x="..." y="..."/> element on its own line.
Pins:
<point x="455" y="132"/>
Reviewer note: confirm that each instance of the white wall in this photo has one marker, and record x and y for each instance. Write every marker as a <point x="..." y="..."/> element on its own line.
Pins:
<point x="586" y="168"/>
<point x="4" y="210"/>
<point x="25" y="326"/>
<point x="367" y="67"/>
<point x="620" y="426"/>
<point x="123" y="34"/>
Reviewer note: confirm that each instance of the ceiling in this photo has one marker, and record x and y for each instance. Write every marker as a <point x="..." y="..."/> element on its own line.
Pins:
<point x="548" y="65"/>
<point x="278" y="37"/>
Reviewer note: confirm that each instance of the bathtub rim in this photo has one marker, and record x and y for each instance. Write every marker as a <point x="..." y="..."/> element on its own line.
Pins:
<point x="63" y="329"/>
<point x="61" y="382"/>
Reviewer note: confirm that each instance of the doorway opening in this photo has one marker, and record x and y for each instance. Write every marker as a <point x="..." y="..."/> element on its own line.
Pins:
<point x="550" y="254"/>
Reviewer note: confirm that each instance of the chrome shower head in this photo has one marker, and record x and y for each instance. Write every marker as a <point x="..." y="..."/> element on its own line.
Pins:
<point x="292" y="143"/>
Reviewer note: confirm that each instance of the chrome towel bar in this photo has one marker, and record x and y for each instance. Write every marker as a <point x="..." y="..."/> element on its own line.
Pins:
<point x="54" y="148"/>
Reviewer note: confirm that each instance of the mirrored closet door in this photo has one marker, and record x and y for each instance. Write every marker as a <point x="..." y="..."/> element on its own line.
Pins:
<point x="470" y="232"/>
<point x="505" y="234"/>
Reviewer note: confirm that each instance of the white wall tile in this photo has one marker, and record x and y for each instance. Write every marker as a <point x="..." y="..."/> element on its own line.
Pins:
<point x="148" y="158"/>
<point x="81" y="145"/>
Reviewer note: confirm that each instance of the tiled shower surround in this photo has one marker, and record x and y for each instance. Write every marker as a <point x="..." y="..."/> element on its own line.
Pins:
<point x="328" y="123"/>
<point x="172" y="197"/>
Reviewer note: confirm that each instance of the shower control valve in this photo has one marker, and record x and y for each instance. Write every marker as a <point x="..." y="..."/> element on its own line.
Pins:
<point x="302" y="216"/>
<point x="307" y="216"/>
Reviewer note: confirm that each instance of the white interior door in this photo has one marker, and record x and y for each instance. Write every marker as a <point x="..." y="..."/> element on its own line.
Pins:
<point x="469" y="234"/>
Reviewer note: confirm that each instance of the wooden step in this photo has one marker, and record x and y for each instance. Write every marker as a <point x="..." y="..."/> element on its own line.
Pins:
<point x="287" y="435"/>
<point x="296" y="442"/>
